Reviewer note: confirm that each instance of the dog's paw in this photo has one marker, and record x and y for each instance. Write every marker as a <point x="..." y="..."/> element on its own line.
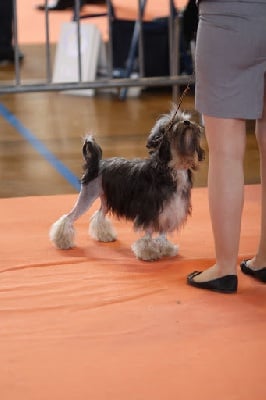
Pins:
<point x="167" y="249"/>
<point x="101" y="228"/>
<point x="62" y="233"/>
<point x="146" y="249"/>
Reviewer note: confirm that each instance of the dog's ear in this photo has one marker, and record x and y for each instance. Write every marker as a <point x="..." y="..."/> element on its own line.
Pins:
<point x="154" y="141"/>
<point x="155" y="138"/>
<point x="199" y="149"/>
<point x="164" y="150"/>
<point x="201" y="153"/>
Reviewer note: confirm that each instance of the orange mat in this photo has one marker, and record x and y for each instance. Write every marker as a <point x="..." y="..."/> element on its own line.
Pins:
<point x="31" y="22"/>
<point x="95" y="323"/>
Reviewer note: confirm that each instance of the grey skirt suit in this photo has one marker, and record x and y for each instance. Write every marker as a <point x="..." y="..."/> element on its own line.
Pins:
<point x="231" y="58"/>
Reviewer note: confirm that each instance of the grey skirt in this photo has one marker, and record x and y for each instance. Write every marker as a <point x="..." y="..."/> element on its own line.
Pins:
<point x="231" y="59"/>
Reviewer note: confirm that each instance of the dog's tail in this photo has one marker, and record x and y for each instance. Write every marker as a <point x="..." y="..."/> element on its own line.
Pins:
<point x="92" y="154"/>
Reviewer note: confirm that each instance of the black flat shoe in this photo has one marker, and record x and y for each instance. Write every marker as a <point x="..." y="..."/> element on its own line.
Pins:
<point x="225" y="284"/>
<point x="259" y="274"/>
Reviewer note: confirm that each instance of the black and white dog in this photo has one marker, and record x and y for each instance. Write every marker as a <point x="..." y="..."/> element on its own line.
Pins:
<point x="154" y="193"/>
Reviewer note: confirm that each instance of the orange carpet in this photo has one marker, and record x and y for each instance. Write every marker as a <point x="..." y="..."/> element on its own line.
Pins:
<point x="95" y="323"/>
<point x="31" y="22"/>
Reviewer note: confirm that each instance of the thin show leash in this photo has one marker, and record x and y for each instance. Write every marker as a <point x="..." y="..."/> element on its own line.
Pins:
<point x="181" y="98"/>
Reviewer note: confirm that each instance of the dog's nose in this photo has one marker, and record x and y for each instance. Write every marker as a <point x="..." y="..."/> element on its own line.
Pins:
<point x="186" y="122"/>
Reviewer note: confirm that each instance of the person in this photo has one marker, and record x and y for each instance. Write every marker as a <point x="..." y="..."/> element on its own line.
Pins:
<point x="7" y="52"/>
<point x="230" y="69"/>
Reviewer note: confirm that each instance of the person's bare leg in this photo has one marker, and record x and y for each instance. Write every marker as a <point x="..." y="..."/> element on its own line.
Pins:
<point x="259" y="261"/>
<point x="226" y="140"/>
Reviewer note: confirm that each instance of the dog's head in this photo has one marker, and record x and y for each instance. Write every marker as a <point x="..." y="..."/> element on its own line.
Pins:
<point x="175" y="140"/>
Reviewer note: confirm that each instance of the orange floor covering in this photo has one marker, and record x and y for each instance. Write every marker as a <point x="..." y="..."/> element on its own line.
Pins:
<point x="31" y="22"/>
<point x="95" y="323"/>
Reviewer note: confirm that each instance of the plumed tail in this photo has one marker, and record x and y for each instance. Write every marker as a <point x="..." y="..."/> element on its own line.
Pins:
<point x="92" y="154"/>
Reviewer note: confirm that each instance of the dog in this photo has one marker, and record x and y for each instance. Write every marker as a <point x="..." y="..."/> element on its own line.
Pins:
<point x="154" y="193"/>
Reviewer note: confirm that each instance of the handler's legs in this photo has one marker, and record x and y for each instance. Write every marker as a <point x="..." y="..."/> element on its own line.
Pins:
<point x="259" y="261"/>
<point x="226" y="140"/>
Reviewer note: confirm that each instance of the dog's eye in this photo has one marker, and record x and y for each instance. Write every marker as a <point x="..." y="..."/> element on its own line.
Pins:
<point x="156" y="138"/>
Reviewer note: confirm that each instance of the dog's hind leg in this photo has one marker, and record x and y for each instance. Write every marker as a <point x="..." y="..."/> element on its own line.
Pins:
<point x="146" y="248"/>
<point x="100" y="227"/>
<point x="62" y="231"/>
<point x="167" y="249"/>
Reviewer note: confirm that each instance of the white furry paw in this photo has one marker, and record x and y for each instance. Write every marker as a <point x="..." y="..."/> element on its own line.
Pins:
<point x="62" y="233"/>
<point x="146" y="249"/>
<point x="167" y="249"/>
<point x="101" y="228"/>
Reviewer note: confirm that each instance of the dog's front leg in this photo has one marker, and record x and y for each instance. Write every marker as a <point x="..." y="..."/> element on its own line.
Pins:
<point x="146" y="248"/>
<point x="167" y="249"/>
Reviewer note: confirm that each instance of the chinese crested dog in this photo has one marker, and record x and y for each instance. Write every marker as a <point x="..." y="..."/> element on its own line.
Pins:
<point x="154" y="193"/>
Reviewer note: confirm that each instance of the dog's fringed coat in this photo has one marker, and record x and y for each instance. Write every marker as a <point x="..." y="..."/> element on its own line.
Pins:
<point x="154" y="193"/>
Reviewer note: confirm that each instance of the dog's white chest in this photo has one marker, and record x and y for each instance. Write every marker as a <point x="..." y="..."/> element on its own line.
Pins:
<point x="175" y="211"/>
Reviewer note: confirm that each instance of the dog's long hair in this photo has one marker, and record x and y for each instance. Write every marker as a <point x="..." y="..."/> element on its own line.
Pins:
<point x="133" y="189"/>
<point x="139" y="189"/>
<point x="154" y="193"/>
